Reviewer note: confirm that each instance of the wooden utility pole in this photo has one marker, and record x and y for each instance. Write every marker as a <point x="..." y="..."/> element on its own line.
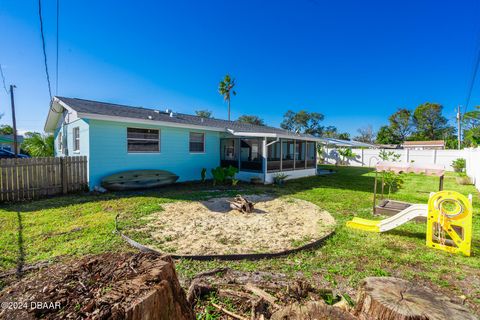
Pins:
<point x="459" y="127"/>
<point x="14" y="121"/>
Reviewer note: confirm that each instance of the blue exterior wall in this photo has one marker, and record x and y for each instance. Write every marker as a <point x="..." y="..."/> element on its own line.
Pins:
<point x="108" y="151"/>
<point x="68" y="128"/>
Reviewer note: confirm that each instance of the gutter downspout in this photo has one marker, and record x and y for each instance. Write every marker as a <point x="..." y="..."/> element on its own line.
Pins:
<point x="275" y="141"/>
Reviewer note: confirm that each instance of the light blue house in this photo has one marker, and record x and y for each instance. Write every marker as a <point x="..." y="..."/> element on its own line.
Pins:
<point x="117" y="138"/>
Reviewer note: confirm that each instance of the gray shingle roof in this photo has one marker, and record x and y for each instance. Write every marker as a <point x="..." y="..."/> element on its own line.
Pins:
<point x="117" y="110"/>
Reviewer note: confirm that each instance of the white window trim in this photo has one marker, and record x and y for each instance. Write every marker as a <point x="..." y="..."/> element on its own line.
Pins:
<point x="204" y="143"/>
<point x="75" y="140"/>
<point x="146" y="152"/>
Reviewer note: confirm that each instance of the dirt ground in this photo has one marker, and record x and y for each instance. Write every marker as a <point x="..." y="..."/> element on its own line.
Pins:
<point x="211" y="227"/>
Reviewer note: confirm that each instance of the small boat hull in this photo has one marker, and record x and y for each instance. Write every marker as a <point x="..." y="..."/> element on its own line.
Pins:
<point x="138" y="179"/>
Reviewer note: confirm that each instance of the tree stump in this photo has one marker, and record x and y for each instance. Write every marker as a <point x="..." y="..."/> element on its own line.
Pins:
<point x="382" y="298"/>
<point x="241" y="204"/>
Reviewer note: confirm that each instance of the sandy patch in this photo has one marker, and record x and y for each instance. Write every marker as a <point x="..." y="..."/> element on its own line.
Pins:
<point x="211" y="227"/>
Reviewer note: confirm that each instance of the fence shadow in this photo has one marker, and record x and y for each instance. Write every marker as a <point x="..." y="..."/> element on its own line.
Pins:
<point x="21" y="249"/>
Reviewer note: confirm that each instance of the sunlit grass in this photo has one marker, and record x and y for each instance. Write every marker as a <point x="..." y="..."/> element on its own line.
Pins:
<point x="76" y="225"/>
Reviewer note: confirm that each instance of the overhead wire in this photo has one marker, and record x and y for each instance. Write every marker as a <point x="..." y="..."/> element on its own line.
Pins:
<point x="44" y="50"/>
<point x="3" y="79"/>
<point x="56" y="71"/>
<point x="45" y="54"/>
<point x="475" y="66"/>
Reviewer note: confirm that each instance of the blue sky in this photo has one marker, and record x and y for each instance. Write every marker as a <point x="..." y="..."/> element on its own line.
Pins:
<point x="354" y="61"/>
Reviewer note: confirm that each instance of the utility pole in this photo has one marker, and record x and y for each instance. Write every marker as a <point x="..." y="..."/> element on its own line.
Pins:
<point x="15" y="142"/>
<point x="459" y="127"/>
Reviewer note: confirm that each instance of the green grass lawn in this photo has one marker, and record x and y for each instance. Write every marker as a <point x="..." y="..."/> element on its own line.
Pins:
<point x="75" y="225"/>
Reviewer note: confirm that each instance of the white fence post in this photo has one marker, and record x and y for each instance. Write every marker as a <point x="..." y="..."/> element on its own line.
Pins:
<point x="473" y="165"/>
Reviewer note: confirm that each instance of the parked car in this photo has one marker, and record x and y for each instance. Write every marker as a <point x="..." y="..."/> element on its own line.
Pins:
<point x="5" y="154"/>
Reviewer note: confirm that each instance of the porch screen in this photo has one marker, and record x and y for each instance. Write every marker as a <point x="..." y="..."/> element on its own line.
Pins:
<point x="311" y="155"/>
<point x="229" y="152"/>
<point x="251" y="155"/>
<point x="143" y="140"/>
<point x="287" y="154"/>
<point x="273" y="156"/>
<point x="300" y="148"/>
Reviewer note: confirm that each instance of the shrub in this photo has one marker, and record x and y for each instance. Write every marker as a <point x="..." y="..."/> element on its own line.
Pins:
<point x="221" y="174"/>
<point x="203" y="174"/>
<point x="463" y="179"/>
<point x="392" y="180"/>
<point x="346" y="154"/>
<point x="389" y="155"/>
<point x="279" y="178"/>
<point x="459" y="165"/>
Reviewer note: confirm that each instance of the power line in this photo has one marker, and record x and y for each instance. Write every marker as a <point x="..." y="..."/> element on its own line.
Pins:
<point x="43" y="46"/>
<point x="476" y="64"/>
<point x="3" y="79"/>
<point x="56" y="75"/>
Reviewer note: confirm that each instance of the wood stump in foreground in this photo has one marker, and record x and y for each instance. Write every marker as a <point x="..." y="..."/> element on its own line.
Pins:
<point x="107" y="286"/>
<point x="242" y="204"/>
<point x="397" y="299"/>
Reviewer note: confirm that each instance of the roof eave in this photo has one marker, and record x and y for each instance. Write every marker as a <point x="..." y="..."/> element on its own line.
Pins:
<point x="54" y="113"/>
<point x="271" y="135"/>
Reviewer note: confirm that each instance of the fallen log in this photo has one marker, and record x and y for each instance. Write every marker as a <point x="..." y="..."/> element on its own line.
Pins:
<point x="242" y="204"/>
<point x="262" y="294"/>
<point x="234" y="294"/>
<point x="390" y="298"/>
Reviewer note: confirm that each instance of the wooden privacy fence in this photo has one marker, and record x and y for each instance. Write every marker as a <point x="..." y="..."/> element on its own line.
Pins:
<point x="33" y="178"/>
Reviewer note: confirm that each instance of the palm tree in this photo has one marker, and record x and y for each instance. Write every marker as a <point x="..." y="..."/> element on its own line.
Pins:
<point x="224" y="88"/>
<point x="38" y="145"/>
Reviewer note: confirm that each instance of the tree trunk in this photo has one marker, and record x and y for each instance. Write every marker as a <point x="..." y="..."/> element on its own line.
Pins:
<point x="228" y="109"/>
<point x="397" y="299"/>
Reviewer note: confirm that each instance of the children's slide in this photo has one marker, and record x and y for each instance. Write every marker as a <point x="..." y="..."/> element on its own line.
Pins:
<point x="412" y="212"/>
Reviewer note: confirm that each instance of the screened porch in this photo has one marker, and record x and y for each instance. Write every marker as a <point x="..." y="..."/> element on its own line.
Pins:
<point x="268" y="155"/>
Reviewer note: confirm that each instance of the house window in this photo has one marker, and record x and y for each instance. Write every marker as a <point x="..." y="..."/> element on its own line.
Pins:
<point x="143" y="140"/>
<point x="197" y="142"/>
<point x="60" y="142"/>
<point x="76" y="139"/>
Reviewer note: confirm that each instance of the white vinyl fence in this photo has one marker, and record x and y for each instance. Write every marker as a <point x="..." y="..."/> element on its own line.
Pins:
<point x="473" y="165"/>
<point x="370" y="157"/>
